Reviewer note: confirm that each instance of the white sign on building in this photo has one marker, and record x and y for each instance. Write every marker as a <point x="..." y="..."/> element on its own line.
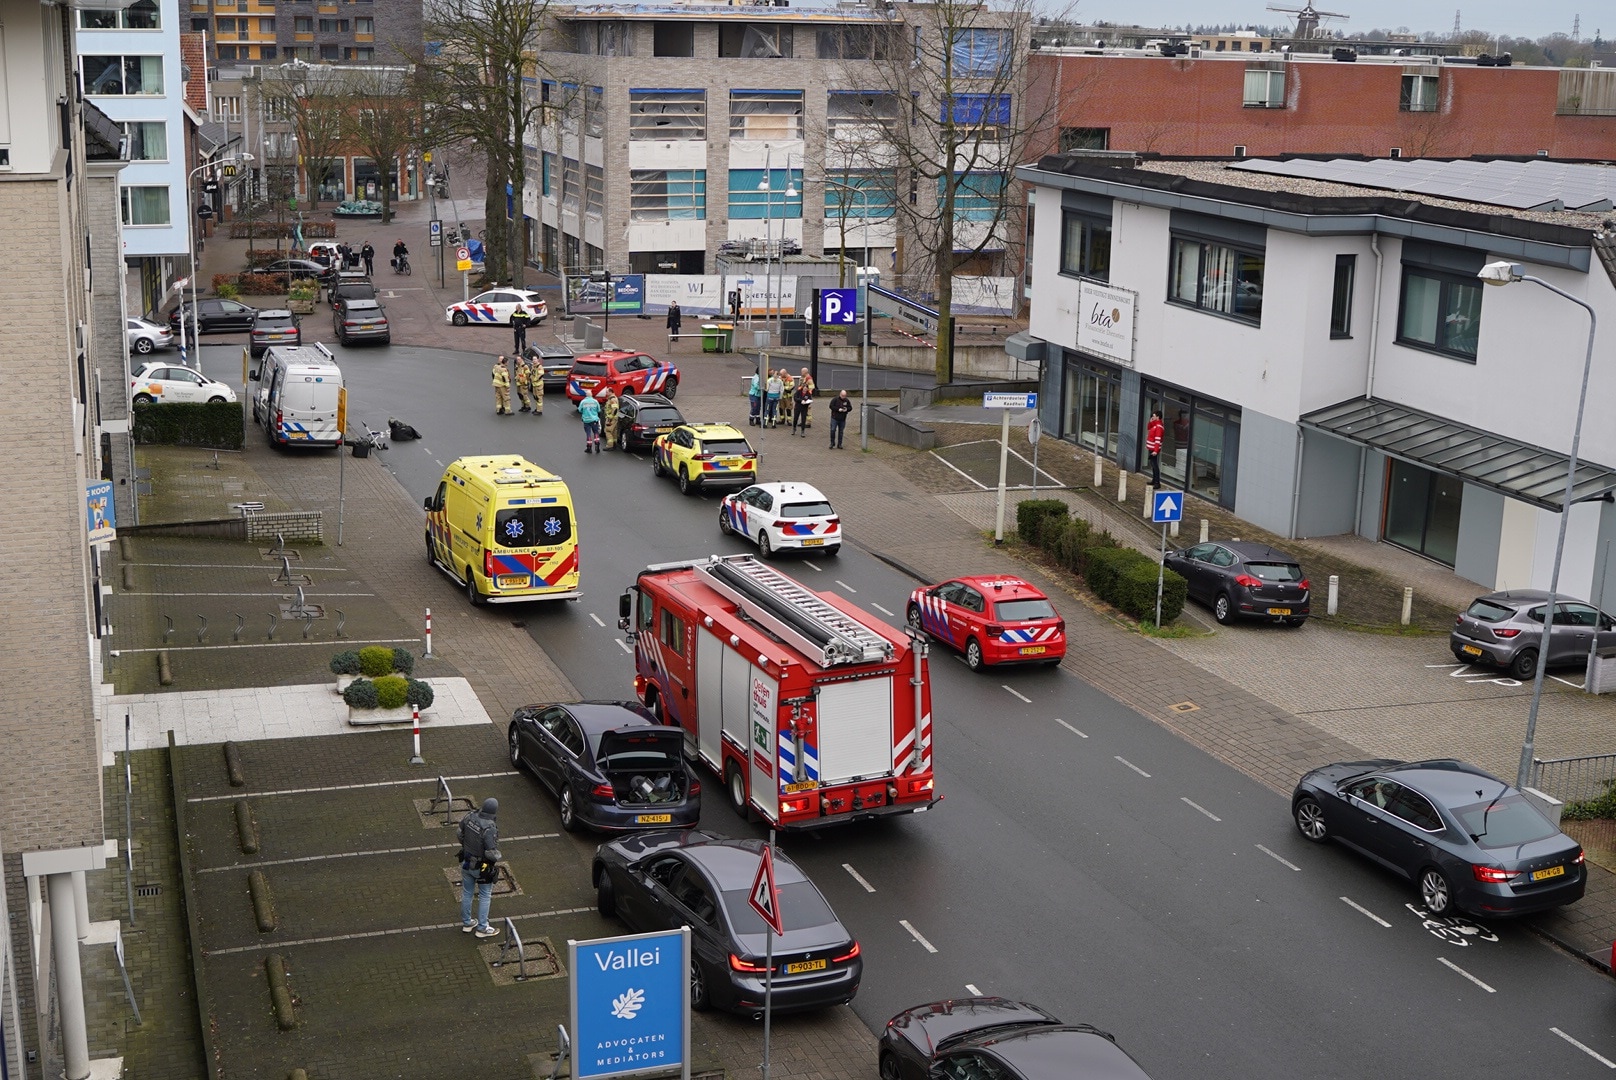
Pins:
<point x="1105" y="321"/>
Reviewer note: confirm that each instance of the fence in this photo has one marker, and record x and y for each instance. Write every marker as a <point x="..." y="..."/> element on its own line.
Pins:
<point x="1574" y="779"/>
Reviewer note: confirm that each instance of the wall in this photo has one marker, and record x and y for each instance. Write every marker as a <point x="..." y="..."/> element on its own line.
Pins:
<point x="1327" y="498"/>
<point x="1481" y="523"/>
<point x="1267" y="471"/>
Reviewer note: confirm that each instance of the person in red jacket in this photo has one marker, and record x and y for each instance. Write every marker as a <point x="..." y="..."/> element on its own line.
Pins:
<point x="1153" y="446"/>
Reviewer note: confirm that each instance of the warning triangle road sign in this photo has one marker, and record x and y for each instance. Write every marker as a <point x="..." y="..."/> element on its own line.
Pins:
<point x="765" y="898"/>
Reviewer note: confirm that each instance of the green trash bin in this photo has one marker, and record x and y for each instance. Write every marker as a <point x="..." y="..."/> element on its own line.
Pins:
<point x="726" y="337"/>
<point x="709" y="338"/>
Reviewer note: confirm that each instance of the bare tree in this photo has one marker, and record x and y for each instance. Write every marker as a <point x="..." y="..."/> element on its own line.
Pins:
<point x="381" y="120"/>
<point x="861" y="174"/>
<point x="312" y="100"/>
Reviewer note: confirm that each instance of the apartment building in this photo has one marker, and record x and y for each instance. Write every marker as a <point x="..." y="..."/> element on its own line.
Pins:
<point x="330" y="31"/>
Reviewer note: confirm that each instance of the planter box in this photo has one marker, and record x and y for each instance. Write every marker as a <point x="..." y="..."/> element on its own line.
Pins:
<point x="366" y="717"/>
<point x="301" y="307"/>
<point x="343" y="681"/>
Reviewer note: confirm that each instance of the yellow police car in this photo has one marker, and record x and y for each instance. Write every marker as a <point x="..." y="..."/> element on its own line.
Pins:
<point x="705" y="455"/>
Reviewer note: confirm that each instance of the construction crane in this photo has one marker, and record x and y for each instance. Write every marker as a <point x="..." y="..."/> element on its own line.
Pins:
<point x="1308" y="18"/>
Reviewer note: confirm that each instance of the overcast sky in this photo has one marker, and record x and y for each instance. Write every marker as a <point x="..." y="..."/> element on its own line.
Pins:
<point x="1497" y="16"/>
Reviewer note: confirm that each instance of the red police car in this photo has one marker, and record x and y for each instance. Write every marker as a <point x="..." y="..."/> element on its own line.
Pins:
<point x="624" y="372"/>
<point x="992" y="620"/>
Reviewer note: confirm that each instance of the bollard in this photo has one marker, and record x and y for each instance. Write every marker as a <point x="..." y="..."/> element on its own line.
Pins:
<point x="415" y="713"/>
<point x="1334" y="602"/>
<point x="1150" y="498"/>
<point x="1172" y="529"/>
<point x="342" y="620"/>
<point x="274" y="621"/>
<point x="1206" y="530"/>
<point x="170" y="631"/>
<point x="1408" y="603"/>
<point x="286" y="571"/>
<point x="1099" y="473"/>
<point x="1122" y="485"/>
<point x="306" y="624"/>
<point x="428" y="654"/>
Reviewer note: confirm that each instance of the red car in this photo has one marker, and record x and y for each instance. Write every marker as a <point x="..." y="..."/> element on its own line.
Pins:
<point x="624" y="372"/>
<point x="992" y="620"/>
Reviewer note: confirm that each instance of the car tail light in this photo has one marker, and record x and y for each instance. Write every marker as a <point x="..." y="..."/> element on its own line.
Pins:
<point x="1505" y="632"/>
<point x="833" y="521"/>
<point x="918" y="786"/>
<point x="846" y="956"/>
<point x="603" y="791"/>
<point x="1580" y="859"/>
<point x="1492" y="874"/>
<point x="638" y="427"/>
<point x="488" y="565"/>
<point x="796" y="806"/>
<point x="1459" y="621"/>
<point x="1060" y="626"/>
<point x="1246" y="581"/>
<point x="783" y="523"/>
<point x="703" y="457"/>
<point x="994" y="630"/>
<point x="737" y="964"/>
<point x="1304" y="584"/>
<point x="695" y="786"/>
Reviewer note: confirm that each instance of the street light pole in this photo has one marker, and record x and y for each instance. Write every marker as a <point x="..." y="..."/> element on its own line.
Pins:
<point x="1503" y="273"/>
<point x="864" y="327"/>
<point x="190" y="240"/>
<point x="768" y="231"/>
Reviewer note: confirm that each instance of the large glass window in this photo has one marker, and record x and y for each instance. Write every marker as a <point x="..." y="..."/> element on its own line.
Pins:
<point x="148" y="140"/>
<point x="1264" y="89"/>
<point x="748" y="200"/>
<point x="1346" y="266"/>
<point x="594" y="190"/>
<point x="1441" y="312"/>
<point x="1418" y="93"/>
<point x="1422" y="511"/>
<point x="981" y="54"/>
<point x="668" y="115"/>
<point x="122" y="75"/>
<point x="1217" y="278"/>
<point x="755" y="41"/>
<point x="851" y="115"/>
<point x="141" y="15"/>
<point x="145" y="205"/>
<point x="595" y="112"/>
<point x="861" y="193"/>
<point x="987" y="116"/>
<point x="572" y="187"/>
<point x="765" y="114"/>
<point x="1092" y="407"/>
<point x="1085" y="245"/>
<point x="1085" y="139"/>
<point x="978" y="196"/>
<point x="663" y="195"/>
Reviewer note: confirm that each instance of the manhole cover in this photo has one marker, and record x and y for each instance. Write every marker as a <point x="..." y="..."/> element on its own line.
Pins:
<point x="505" y="886"/>
<point x="434" y="816"/>
<point x="1184" y="706"/>
<point x="508" y="964"/>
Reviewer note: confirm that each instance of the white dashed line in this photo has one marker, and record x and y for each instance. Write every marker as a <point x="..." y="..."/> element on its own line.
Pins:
<point x="1070" y="728"/>
<point x="1450" y="965"/>
<point x="621" y="644"/>
<point x="1590" y="1051"/>
<point x="1198" y="806"/>
<point x="1018" y="694"/>
<point x="815" y="567"/>
<point x="928" y="946"/>
<point x="858" y="877"/>
<point x="1132" y="766"/>
<point x="972" y="988"/>
<point x="884" y="611"/>
<point x="598" y="623"/>
<point x="846" y="586"/>
<point x="1360" y="909"/>
<point x="1277" y="857"/>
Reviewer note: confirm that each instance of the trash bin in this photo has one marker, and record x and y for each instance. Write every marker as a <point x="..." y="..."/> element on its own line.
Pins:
<point x="726" y="337"/>
<point x="793" y="331"/>
<point x="709" y="338"/>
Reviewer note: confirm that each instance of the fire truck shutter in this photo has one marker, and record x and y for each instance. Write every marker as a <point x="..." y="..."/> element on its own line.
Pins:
<point x="709" y="693"/>
<point x="855" y="729"/>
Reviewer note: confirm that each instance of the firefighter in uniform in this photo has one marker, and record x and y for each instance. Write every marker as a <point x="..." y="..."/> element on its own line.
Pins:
<point x="807" y="381"/>
<point x="502" y="388"/>
<point x="608" y="413"/>
<point x="523" y="377"/>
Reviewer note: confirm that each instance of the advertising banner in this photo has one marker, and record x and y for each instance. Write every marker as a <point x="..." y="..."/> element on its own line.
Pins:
<point x="696" y="294"/>
<point x="628" y="294"/>
<point x="101" y="518"/>
<point x="1105" y="321"/>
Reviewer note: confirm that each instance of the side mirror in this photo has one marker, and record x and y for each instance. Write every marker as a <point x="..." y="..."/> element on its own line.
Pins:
<point x="625" y="606"/>
<point x="426" y="503"/>
<point x="255" y="374"/>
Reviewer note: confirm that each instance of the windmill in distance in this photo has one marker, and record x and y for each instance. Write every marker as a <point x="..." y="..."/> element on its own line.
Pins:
<point x="1308" y="18"/>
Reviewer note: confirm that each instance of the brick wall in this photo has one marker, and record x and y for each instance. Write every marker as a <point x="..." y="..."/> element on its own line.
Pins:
<point x="301" y="525"/>
<point x="109" y="348"/>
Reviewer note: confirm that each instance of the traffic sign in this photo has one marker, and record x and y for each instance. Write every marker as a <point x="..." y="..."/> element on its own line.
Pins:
<point x="427" y="157"/>
<point x="435" y="231"/>
<point x="1035" y="431"/>
<point x="838" y="307"/>
<point x="1009" y="401"/>
<point x="462" y="258"/>
<point x="204" y="211"/>
<point x="1167" y="506"/>
<point x="764" y="897"/>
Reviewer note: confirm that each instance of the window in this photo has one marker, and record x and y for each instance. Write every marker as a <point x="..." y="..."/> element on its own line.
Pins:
<point x="148" y="140"/>
<point x="532" y="526"/>
<point x="1085" y="245"/>
<point x="595" y="112"/>
<point x="672" y="115"/>
<point x="199" y="25"/>
<point x="227" y="108"/>
<point x="765" y="114"/>
<point x="571" y="184"/>
<point x="1085" y="139"/>
<point x="227" y="52"/>
<point x="548" y="174"/>
<point x="1341" y="300"/>
<point x="364" y="26"/>
<point x="1264" y="89"/>
<point x="303" y="24"/>
<point x="1440" y="311"/>
<point x="145" y="205"/>
<point x="673" y="632"/>
<point x="594" y="190"/>
<point x="980" y="54"/>
<point x="266" y="26"/>
<point x="853" y="113"/>
<point x="987" y="115"/>
<point x="1417" y="810"/>
<point x="1216" y="278"/>
<point x="1026" y="248"/>
<point x="328" y="52"/>
<point x="122" y="75"/>
<point x="666" y="195"/>
<point x="852" y="43"/>
<point x="333" y="26"/>
<point x="755" y="41"/>
<point x="978" y="196"/>
<point x="141" y="15"/>
<point x="226" y="26"/>
<point x="673" y="39"/>
<point x="1418" y="93"/>
<point x="862" y="193"/>
<point x="748" y="200"/>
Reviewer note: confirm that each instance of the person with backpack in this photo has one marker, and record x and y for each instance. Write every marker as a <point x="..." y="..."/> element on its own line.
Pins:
<point x="479" y="867"/>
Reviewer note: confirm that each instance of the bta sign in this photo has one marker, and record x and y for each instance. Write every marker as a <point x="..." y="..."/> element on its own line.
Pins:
<point x="631" y="1004"/>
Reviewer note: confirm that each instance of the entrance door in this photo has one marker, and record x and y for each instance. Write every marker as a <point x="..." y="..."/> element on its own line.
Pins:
<point x="1422" y="511"/>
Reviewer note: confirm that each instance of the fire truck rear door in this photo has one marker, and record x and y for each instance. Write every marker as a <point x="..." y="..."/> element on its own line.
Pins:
<point x="709" y="695"/>
<point x="763" y="708"/>
<point x="855" y="729"/>
<point x="737" y="692"/>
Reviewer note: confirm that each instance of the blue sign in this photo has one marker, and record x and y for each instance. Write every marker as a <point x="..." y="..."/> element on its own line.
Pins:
<point x="838" y="307"/>
<point x="630" y="1004"/>
<point x="1167" y="506"/>
<point x="1009" y="401"/>
<point x="628" y="294"/>
<point x="100" y="515"/>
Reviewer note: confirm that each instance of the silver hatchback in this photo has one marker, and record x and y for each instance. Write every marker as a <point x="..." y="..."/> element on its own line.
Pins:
<point x="1505" y="630"/>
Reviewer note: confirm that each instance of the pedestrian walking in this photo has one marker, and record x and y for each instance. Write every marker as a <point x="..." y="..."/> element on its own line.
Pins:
<point x="479" y="867"/>
<point x="523" y="377"/>
<point x="675" y="320"/>
<point x="772" y="391"/>
<point x="368" y="254"/>
<point x="802" y="399"/>
<point x="502" y="388"/>
<point x="608" y="415"/>
<point x="808" y="380"/>
<point x="754" y="400"/>
<point x="589" y="413"/>
<point x="1153" y="446"/>
<point x="840" y="406"/>
<point x="519" y="320"/>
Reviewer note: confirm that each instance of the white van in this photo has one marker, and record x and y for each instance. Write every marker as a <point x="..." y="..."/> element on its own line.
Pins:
<point x="299" y="397"/>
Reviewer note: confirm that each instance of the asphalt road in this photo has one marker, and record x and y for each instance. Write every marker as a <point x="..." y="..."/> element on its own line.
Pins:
<point x="1084" y="858"/>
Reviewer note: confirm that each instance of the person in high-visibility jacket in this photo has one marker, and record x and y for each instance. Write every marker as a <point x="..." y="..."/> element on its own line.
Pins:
<point x="502" y="388"/>
<point x="524" y="381"/>
<point x="608" y="412"/>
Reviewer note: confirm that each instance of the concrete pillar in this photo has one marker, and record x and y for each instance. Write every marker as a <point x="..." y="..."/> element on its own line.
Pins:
<point x="69" y="976"/>
<point x="1206" y="530"/>
<point x="1122" y="485"/>
<point x="1149" y="504"/>
<point x="1099" y="473"/>
<point x="81" y="905"/>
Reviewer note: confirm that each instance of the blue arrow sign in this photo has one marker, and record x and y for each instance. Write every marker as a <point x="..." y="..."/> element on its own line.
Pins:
<point x="838" y="307"/>
<point x="1166" y="507"/>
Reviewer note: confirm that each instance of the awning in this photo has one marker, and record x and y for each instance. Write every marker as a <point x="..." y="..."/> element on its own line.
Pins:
<point x="1521" y="471"/>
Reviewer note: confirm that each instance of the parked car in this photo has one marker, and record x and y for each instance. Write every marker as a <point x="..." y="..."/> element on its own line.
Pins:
<point x="641" y="418"/>
<point x="699" y="455"/>
<point x="349" y="287"/>
<point x="1241" y="579"/>
<point x="1467" y="840"/>
<point x="358" y="319"/>
<point x="992" y="619"/>
<point x="625" y="372"/>
<point x="274" y="326"/>
<point x="160" y="381"/>
<point x="145" y="337"/>
<point x="993" y="1038"/>
<point x="495" y="307"/>
<point x="556" y="361"/>
<point x="214" y="315"/>
<point x="294" y="268"/>
<point x="782" y="515"/>
<point x="664" y="880"/>
<point x="1505" y="630"/>
<point x="610" y="765"/>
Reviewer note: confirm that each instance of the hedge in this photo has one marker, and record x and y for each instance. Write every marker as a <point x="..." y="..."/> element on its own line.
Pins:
<point x="215" y="425"/>
<point x="1031" y="514"/>
<point x="1127" y="579"/>
<point x="262" y="284"/>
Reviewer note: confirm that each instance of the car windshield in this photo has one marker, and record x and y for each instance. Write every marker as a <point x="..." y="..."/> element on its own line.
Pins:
<point x="801" y="907"/>
<point x="1505" y="823"/>
<point x="273" y="322"/>
<point x="1275" y="571"/>
<point x="1487" y="611"/>
<point x="806" y="510"/>
<point x="1021" y="610"/>
<point x="725" y="446"/>
<point x="631" y="758"/>
<point x="658" y="416"/>
<point x="589" y="367"/>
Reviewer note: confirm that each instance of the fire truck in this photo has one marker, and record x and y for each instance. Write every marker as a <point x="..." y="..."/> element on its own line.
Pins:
<point x="812" y="712"/>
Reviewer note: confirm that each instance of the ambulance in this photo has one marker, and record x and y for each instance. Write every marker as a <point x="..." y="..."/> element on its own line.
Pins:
<point x="812" y="712"/>
<point x="504" y="529"/>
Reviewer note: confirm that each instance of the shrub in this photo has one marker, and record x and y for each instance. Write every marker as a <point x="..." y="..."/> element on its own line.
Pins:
<point x="345" y="663"/>
<point x="228" y="291"/>
<point x="1127" y="579"/>
<point x="261" y="257"/>
<point x="403" y="661"/>
<point x="376" y="660"/>
<point x="1032" y="516"/>
<point x="218" y="426"/>
<point x="303" y="288"/>
<point x="221" y="280"/>
<point x="419" y="693"/>
<point x="1600" y="806"/>
<point x="262" y="284"/>
<point x="391" y="691"/>
<point x="361" y="694"/>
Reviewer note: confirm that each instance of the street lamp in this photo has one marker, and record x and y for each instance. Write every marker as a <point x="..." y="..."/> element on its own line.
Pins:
<point x="1504" y="273"/>
<point x="190" y="240"/>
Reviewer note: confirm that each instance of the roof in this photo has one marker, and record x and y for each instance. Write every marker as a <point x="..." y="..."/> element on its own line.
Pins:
<point x="1538" y="184"/>
<point x="790" y="489"/>
<point x="103" y="139"/>
<point x="711" y="12"/>
<point x="1252" y="549"/>
<point x="1453" y="783"/>
<point x="1073" y="1050"/>
<point x="598" y="716"/>
<point x="734" y="863"/>
<point x="1516" y="469"/>
<point x="997" y="586"/>
<point x="716" y="429"/>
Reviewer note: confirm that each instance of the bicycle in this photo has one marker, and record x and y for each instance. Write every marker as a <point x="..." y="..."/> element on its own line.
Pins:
<point x="401" y="265"/>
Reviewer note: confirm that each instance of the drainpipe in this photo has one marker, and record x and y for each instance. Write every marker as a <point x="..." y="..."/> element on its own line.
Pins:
<point x="1296" y="486"/>
<point x="1369" y="379"/>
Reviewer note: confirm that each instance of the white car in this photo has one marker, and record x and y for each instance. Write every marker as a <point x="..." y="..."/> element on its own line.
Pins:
<point x="784" y="514"/>
<point x="494" y="307"/>
<point x="157" y="381"/>
<point x="146" y="337"/>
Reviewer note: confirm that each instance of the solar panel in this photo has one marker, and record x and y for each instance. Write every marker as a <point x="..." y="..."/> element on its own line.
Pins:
<point x="1518" y="185"/>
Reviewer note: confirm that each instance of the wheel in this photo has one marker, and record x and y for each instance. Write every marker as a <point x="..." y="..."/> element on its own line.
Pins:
<point x="670" y="389"/>
<point x="1524" y="666"/>
<point x="737" y="787"/>
<point x="1435" y="892"/>
<point x="723" y="521"/>
<point x="477" y="599"/>
<point x="1310" y="820"/>
<point x="622" y="438"/>
<point x="653" y="702"/>
<point x="973" y="655"/>
<point x="605" y="895"/>
<point x="431" y="556"/>
<point x="656" y="466"/>
<point x="833" y="552"/>
<point x="698" y="988"/>
<point x="686" y="485"/>
<point x="513" y="744"/>
<point x="889" y="1067"/>
<point x="912" y="617"/>
<point x="215" y="400"/>
<point x="459" y="318"/>
<point x="765" y="548"/>
<point x="1223" y="609"/>
<point x="143" y="346"/>
<point x="569" y="813"/>
<point x="143" y="399"/>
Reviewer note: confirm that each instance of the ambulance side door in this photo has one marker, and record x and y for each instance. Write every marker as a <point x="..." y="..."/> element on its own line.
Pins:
<point x="436" y="529"/>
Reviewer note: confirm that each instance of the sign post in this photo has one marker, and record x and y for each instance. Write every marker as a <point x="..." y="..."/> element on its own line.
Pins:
<point x="630" y="1004"/>
<point x="1035" y="431"/>
<point x="765" y="900"/>
<point x="1005" y="403"/>
<point x="463" y="264"/>
<point x="1166" y="507"/>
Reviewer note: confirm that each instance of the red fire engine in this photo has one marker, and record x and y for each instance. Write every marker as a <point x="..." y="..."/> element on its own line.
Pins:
<point x="811" y="711"/>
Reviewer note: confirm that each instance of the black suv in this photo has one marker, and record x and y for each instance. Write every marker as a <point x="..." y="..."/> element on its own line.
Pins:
<point x="274" y="326"/>
<point x="357" y="319"/>
<point x="213" y="316"/>
<point x="642" y="417"/>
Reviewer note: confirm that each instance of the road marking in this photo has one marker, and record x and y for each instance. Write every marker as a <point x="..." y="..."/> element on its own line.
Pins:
<point x="357" y="854"/>
<point x="1277" y="857"/>
<point x="1070" y="728"/>
<point x="385" y="933"/>
<point x="1568" y="682"/>
<point x="1132" y="766"/>
<point x="815" y="567"/>
<point x="1360" y="909"/>
<point x="846" y="586"/>
<point x="1018" y="694"/>
<point x="928" y="946"/>
<point x="229" y="566"/>
<point x="1590" y="1051"/>
<point x="598" y="623"/>
<point x="858" y="877"/>
<point x="351" y="787"/>
<point x="440" y="463"/>
<point x="624" y="646"/>
<point x="884" y="611"/>
<point x="1445" y="962"/>
<point x="322" y="593"/>
<point x="1198" y="806"/>
<point x="972" y="988"/>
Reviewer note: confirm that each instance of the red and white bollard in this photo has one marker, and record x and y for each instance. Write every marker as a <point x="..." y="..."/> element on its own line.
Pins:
<point x="428" y="654"/>
<point x="415" y="712"/>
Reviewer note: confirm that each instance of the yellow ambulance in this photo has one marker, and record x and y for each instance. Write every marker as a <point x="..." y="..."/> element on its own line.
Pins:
<point x="504" y="528"/>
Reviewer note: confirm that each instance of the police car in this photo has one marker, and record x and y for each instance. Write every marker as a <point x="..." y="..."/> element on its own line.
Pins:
<point x="494" y="307"/>
<point x="992" y="620"/>
<point x="625" y="372"/>
<point x="157" y="380"/>
<point x="784" y="514"/>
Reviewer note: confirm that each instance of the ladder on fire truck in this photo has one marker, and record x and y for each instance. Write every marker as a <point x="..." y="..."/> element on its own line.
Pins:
<point x="794" y="612"/>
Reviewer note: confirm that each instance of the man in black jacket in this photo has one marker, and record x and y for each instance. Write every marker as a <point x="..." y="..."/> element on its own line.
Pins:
<point x="479" y="855"/>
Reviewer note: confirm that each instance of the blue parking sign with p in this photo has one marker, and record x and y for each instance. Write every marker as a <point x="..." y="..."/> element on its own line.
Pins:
<point x="838" y="307"/>
<point x="1166" y="507"/>
<point x="631" y="1004"/>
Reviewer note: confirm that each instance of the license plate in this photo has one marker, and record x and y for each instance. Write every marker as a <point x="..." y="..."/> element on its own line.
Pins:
<point x="367" y="326"/>
<point x="731" y="462"/>
<point x="663" y="430"/>
<point x="653" y="819"/>
<point x="802" y="966"/>
<point x="511" y="581"/>
<point x="1470" y="650"/>
<point x="816" y="542"/>
<point x="800" y="785"/>
<point x="1032" y="650"/>
<point x="1279" y="611"/>
<point x="1544" y="875"/>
